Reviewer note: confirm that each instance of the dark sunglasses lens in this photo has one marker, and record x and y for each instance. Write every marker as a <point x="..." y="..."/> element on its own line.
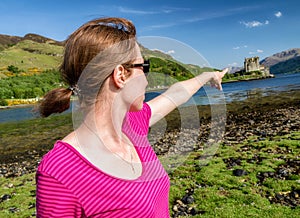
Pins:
<point x="146" y="67"/>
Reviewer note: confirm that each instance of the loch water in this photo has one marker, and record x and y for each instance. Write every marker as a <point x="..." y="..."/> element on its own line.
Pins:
<point x="234" y="91"/>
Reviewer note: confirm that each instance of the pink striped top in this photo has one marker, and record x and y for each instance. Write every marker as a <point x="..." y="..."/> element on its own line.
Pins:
<point x="68" y="185"/>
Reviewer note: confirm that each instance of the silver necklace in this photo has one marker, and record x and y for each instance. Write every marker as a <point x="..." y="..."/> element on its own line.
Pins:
<point x="129" y="146"/>
<point x="131" y="159"/>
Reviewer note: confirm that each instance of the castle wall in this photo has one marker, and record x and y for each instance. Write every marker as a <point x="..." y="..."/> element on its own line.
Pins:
<point x="251" y="64"/>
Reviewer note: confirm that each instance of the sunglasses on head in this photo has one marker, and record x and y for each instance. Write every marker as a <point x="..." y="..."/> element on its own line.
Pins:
<point x="145" y="65"/>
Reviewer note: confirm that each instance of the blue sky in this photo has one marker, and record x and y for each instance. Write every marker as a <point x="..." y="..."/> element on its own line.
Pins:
<point x="222" y="32"/>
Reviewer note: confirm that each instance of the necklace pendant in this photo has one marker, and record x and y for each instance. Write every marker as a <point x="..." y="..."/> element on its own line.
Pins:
<point x="133" y="170"/>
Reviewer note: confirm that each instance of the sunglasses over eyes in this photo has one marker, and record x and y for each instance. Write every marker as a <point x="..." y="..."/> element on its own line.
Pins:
<point x="145" y="66"/>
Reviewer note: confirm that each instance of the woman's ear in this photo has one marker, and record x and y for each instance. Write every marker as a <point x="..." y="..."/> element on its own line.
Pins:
<point x="119" y="76"/>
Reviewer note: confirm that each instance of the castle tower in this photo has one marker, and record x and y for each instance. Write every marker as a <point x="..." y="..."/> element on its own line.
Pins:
<point x="251" y="64"/>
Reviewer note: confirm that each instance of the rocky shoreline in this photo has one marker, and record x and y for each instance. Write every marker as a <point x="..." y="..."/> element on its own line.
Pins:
<point x="259" y="117"/>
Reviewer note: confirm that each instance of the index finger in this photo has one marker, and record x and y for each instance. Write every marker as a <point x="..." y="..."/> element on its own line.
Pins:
<point x="223" y="72"/>
<point x="226" y="70"/>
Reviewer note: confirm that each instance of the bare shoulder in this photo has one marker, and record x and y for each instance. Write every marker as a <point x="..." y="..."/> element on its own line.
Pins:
<point x="71" y="139"/>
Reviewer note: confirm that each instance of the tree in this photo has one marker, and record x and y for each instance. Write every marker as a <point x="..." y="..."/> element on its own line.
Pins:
<point x="37" y="92"/>
<point x="13" y="69"/>
<point x="18" y="93"/>
<point x="3" y="102"/>
<point x="5" y="93"/>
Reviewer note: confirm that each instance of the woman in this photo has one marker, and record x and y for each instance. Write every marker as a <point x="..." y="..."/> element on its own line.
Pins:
<point x="106" y="166"/>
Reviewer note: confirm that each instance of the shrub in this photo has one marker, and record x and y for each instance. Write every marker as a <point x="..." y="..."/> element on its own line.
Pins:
<point x="3" y="102"/>
<point x="13" y="69"/>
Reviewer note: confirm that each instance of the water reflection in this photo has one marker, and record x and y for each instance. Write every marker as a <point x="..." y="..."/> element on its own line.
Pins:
<point x="237" y="91"/>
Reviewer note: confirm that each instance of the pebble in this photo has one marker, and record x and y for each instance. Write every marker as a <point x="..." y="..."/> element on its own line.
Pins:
<point x="5" y="197"/>
<point x="10" y="185"/>
<point x="240" y="172"/>
<point x="188" y="199"/>
<point x="182" y="207"/>
<point x="259" y="123"/>
<point x="13" y="209"/>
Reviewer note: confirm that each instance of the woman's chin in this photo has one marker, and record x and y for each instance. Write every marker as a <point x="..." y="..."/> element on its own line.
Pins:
<point x="137" y="105"/>
<point x="134" y="108"/>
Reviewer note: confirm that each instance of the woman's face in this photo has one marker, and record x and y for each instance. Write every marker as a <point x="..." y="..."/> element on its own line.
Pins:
<point x="135" y="87"/>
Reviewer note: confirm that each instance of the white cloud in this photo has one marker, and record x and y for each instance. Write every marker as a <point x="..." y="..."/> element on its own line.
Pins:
<point x="167" y="10"/>
<point x="234" y="64"/>
<point x="170" y="52"/>
<point x="240" y="47"/>
<point x="136" y="12"/>
<point x="161" y="26"/>
<point x="193" y="19"/>
<point x="165" y="52"/>
<point x="256" y="52"/>
<point x="278" y="14"/>
<point x="252" y="24"/>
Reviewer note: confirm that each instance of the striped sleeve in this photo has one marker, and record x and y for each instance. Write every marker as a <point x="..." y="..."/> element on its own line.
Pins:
<point x="139" y="120"/>
<point x="53" y="199"/>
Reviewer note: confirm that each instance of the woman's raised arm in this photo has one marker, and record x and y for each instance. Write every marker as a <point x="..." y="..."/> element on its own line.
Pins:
<point x="181" y="92"/>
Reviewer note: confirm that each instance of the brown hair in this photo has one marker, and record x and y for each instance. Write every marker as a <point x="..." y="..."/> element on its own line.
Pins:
<point x="81" y="47"/>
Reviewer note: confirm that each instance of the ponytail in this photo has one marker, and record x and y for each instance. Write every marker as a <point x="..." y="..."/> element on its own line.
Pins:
<point x="55" y="101"/>
<point x="81" y="47"/>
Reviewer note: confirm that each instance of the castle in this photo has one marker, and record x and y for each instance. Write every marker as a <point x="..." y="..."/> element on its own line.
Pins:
<point x="252" y="64"/>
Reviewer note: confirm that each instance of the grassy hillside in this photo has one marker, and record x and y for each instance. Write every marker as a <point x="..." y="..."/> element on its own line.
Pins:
<point x="28" y="67"/>
<point x="152" y="54"/>
<point x="33" y="56"/>
<point x="28" y="54"/>
<point x="284" y="62"/>
<point x="288" y="66"/>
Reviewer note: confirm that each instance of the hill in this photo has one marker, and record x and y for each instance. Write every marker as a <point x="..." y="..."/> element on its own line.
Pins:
<point x="28" y="54"/>
<point x="147" y="53"/>
<point x="28" y="67"/>
<point x="289" y="66"/>
<point x="7" y="41"/>
<point x="283" y="62"/>
<point x="42" y="39"/>
<point x="194" y="69"/>
<point x="35" y="51"/>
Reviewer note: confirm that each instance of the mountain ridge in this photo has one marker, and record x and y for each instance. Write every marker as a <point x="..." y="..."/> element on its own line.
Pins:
<point x="280" y="56"/>
<point x="277" y="62"/>
<point x="287" y="61"/>
<point x="7" y="40"/>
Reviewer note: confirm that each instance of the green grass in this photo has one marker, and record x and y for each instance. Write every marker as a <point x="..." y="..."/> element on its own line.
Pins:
<point x="28" y="54"/>
<point x="22" y="196"/>
<point x="35" y="134"/>
<point x="217" y="192"/>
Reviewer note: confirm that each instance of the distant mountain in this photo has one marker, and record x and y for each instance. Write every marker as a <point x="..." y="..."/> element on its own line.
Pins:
<point x="194" y="69"/>
<point x="283" y="62"/>
<point x="41" y="39"/>
<point x="8" y="41"/>
<point x="289" y="66"/>
<point x="19" y="52"/>
<point x="27" y="54"/>
<point x="235" y="69"/>
<point x="147" y="53"/>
